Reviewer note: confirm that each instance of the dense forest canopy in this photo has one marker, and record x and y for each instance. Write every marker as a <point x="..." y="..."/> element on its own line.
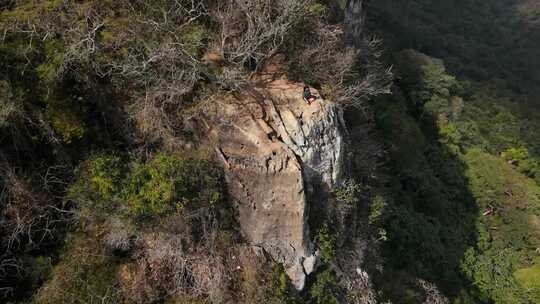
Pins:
<point x="481" y="39"/>
<point x="465" y="157"/>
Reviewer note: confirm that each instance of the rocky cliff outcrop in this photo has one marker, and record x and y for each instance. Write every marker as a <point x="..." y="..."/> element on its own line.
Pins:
<point x="275" y="149"/>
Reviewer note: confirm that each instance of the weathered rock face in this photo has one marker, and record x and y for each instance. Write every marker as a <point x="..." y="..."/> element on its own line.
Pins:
<point x="275" y="148"/>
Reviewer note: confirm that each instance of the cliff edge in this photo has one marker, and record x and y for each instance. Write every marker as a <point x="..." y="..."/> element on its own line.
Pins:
<point x="276" y="150"/>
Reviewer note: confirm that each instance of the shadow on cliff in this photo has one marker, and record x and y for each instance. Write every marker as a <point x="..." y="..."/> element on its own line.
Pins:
<point x="421" y="212"/>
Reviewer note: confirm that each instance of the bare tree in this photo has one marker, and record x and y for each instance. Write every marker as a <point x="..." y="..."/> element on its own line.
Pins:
<point x="433" y="294"/>
<point x="349" y="75"/>
<point x="256" y="30"/>
<point x="165" y="267"/>
<point x="374" y="78"/>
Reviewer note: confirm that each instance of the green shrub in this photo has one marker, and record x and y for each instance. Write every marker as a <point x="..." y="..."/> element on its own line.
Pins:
<point x="496" y="126"/>
<point x="97" y="186"/>
<point x="400" y="131"/>
<point x="349" y="192"/>
<point x="524" y="162"/>
<point x="324" y="290"/>
<point x="193" y="37"/>
<point x="450" y="136"/>
<point x="106" y="172"/>
<point x="317" y="9"/>
<point x="377" y="209"/>
<point x="53" y="51"/>
<point x="491" y="272"/>
<point x="66" y="120"/>
<point x="278" y="290"/>
<point x="326" y="242"/>
<point x="437" y="81"/>
<point x="416" y="239"/>
<point x="170" y="183"/>
<point x="166" y="184"/>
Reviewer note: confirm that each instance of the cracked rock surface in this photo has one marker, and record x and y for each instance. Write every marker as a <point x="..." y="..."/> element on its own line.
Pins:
<point x="275" y="148"/>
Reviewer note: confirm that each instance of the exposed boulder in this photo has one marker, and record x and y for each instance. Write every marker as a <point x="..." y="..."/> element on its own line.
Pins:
<point x="275" y="149"/>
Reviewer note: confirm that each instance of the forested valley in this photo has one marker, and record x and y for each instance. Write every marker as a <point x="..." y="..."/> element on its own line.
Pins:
<point x="462" y="135"/>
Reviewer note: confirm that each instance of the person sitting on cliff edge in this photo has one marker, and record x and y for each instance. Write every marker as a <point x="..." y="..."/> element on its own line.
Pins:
<point x="308" y="97"/>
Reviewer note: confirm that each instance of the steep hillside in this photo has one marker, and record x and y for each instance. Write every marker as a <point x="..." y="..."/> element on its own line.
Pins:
<point x="163" y="152"/>
<point x="461" y="130"/>
<point x="197" y="152"/>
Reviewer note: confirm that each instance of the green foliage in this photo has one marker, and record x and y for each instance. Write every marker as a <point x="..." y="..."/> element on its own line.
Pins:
<point x="491" y="272"/>
<point x="436" y="82"/>
<point x="324" y="290"/>
<point x="48" y="71"/>
<point x="170" y="183"/>
<point x="450" y="136"/>
<point x="166" y="184"/>
<point x="505" y="239"/>
<point x="529" y="279"/>
<point x="400" y="131"/>
<point x="436" y="93"/>
<point x="67" y="123"/>
<point x="349" y="192"/>
<point x="488" y="123"/>
<point x="105" y="174"/>
<point x="317" y="9"/>
<point x="326" y="242"/>
<point x="418" y="240"/>
<point x="481" y="209"/>
<point x="378" y="208"/>
<point x="478" y="38"/>
<point x="493" y="180"/>
<point x="194" y="37"/>
<point x="523" y="160"/>
<point x="278" y="287"/>
<point x="97" y="186"/>
<point x="65" y="113"/>
<point x="515" y="154"/>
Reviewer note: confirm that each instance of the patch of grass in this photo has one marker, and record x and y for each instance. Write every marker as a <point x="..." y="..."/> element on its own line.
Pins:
<point x="529" y="279"/>
<point x="506" y="239"/>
